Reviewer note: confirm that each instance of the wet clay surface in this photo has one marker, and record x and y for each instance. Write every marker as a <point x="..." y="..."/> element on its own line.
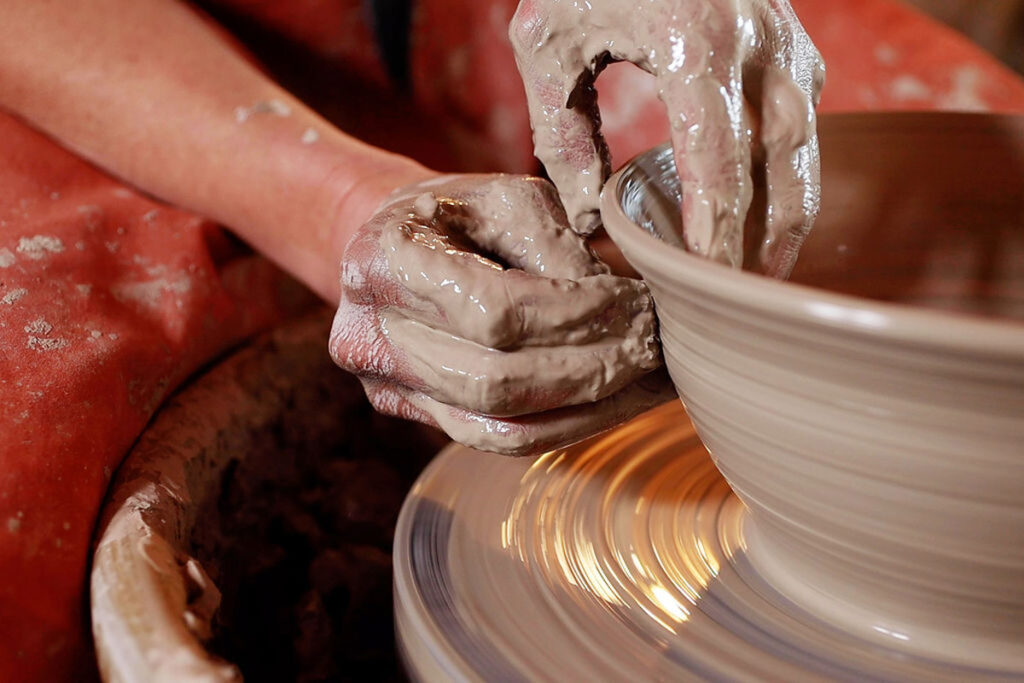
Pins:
<point x="574" y="303"/>
<point x="461" y="287"/>
<point x="739" y="81"/>
<point x="875" y="440"/>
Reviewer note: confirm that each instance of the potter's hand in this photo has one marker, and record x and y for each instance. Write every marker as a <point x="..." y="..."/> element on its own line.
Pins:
<point x="469" y="304"/>
<point x="735" y="76"/>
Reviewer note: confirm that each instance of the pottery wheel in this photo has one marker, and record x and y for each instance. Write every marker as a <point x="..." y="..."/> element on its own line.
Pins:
<point x="621" y="558"/>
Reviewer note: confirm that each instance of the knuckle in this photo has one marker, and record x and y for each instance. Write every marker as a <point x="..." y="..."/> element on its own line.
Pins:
<point x="361" y="257"/>
<point x="353" y="276"/>
<point x="502" y="326"/>
<point x="493" y="398"/>
<point x="357" y="344"/>
<point x="343" y="355"/>
<point x="383" y="399"/>
<point x="519" y="32"/>
<point x="498" y="335"/>
<point x="497" y="394"/>
<point x="544" y="190"/>
<point x="526" y="27"/>
<point x="517" y="446"/>
<point x="502" y="437"/>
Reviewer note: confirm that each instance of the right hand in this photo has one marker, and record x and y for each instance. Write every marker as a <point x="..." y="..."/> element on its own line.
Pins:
<point x="740" y="80"/>
<point x="469" y="304"/>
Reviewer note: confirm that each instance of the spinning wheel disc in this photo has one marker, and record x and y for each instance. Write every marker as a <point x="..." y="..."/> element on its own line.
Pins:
<point x="620" y="558"/>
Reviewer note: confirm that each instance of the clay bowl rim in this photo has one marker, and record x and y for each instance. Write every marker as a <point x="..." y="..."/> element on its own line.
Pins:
<point x="803" y="304"/>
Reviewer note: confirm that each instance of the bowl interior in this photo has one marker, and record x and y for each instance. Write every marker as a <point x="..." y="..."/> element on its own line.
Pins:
<point x="921" y="209"/>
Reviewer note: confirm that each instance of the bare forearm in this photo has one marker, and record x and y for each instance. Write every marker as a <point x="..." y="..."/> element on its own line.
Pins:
<point x="152" y="92"/>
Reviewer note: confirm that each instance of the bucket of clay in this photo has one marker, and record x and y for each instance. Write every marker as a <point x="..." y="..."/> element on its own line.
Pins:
<point x="249" y="531"/>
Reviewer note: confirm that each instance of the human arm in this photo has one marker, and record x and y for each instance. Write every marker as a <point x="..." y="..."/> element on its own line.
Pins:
<point x="152" y="92"/>
<point x="156" y="94"/>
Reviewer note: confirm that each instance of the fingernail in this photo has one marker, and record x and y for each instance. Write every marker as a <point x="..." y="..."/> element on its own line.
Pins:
<point x="587" y="222"/>
<point x="425" y="206"/>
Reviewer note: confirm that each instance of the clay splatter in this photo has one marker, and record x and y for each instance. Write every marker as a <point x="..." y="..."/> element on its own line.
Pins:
<point x="310" y="136"/>
<point x="275" y="107"/>
<point x="964" y="94"/>
<point x="39" y="326"/>
<point x="965" y="90"/>
<point x="150" y="293"/>
<point x="886" y="54"/>
<point x="39" y="246"/>
<point x="907" y="87"/>
<point x="93" y="216"/>
<point x="7" y="258"/>
<point x="45" y="343"/>
<point x="13" y="295"/>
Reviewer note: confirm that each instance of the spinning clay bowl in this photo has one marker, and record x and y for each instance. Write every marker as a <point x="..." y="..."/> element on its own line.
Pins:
<point x="869" y="412"/>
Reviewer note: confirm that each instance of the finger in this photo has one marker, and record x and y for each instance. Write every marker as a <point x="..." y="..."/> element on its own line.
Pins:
<point x="530" y="379"/>
<point x="448" y="288"/>
<point x="791" y="87"/>
<point x="357" y="345"/>
<point x="387" y="348"/>
<point x="795" y="51"/>
<point x="712" y="152"/>
<point x="543" y="431"/>
<point x="559" y="83"/>
<point x="791" y="170"/>
<point x="518" y="218"/>
<point x="610" y="253"/>
<point x="523" y="435"/>
<point x="360" y="343"/>
<point x="393" y="399"/>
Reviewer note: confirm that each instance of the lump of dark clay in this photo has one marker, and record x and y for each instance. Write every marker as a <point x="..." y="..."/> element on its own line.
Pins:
<point x="299" y="544"/>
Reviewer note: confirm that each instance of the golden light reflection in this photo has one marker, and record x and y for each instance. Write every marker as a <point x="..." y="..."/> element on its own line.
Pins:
<point x="618" y="518"/>
<point x="657" y="618"/>
<point x="669" y="604"/>
<point x="592" y="574"/>
<point x="709" y="560"/>
<point x="638" y="563"/>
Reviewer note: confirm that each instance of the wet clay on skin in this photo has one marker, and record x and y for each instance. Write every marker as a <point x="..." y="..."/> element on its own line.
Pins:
<point x="504" y="311"/>
<point x="735" y="76"/>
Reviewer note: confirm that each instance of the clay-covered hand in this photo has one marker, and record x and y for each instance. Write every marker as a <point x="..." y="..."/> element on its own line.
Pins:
<point x="739" y="79"/>
<point x="468" y="303"/>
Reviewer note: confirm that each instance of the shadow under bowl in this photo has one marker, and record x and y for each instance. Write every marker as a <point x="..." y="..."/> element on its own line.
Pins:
<point x="869" y="412"/>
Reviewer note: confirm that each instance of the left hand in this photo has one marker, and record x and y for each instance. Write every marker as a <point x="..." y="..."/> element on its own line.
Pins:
<point x="467" y="303"/>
